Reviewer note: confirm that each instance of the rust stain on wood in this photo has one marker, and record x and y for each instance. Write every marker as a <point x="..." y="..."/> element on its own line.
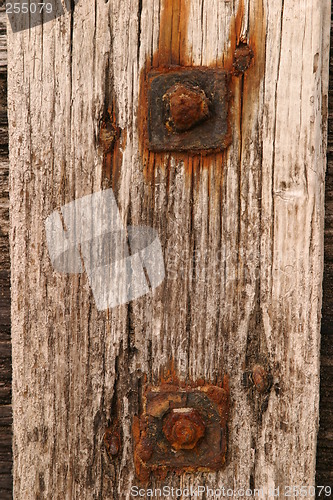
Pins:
<point x="238" y="21"/>
<point x="172" y="50"/>
<point x="173" y="53"/>
<point x="254" y="75"/>
<point x="245" y="88"/>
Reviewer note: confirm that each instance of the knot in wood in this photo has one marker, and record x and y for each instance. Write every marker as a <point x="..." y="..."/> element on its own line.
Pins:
<point x="107" y="136"/>
<point x="187" y="107"/>
<point x="260" y="378"/>
<point x="112" y="442"/>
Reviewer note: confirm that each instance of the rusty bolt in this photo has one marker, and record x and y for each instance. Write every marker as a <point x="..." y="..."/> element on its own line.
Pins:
<point x="242" y="59"/>
<point x="187" y="107"/>
<point x="112" y="442"/>
<point x="183" y="428"/>
<point x="261" y="379"/>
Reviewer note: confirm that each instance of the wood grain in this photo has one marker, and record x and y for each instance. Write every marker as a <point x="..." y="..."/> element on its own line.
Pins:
<point x="5" y="344"/>
<point x="242" y="234"/>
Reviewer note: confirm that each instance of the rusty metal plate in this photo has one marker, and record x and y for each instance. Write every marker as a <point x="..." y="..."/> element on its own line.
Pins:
<point x="182" y="429"/>
<point x="188" y="110"/>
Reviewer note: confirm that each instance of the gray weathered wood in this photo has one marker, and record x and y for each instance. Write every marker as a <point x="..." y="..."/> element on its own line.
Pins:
<point x="242" y="234"/>
<point x="5" y="345"/>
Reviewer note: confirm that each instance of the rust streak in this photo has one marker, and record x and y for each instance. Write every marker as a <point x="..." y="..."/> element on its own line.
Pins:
<point x="254" y="75"/>
<point x="239" y="21"/>
<point x="173" y="51"/>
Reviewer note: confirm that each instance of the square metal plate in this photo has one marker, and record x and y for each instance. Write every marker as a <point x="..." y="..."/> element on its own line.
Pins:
<point x="211" y="134"/>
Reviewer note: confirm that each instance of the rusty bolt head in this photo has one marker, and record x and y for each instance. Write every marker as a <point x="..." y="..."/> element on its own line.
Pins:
<point x="112" y="442"/>
<point x="242" y="59"/>
<point x="183" y="428"/>
<point x="187" y="107"/>
<point x="260" y="378"/>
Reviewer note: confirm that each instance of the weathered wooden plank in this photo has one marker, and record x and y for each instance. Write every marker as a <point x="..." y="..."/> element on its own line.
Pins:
<point x="324" y="471"/>
<point x="241" y="233"/>
<point x="5" y="346"/>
